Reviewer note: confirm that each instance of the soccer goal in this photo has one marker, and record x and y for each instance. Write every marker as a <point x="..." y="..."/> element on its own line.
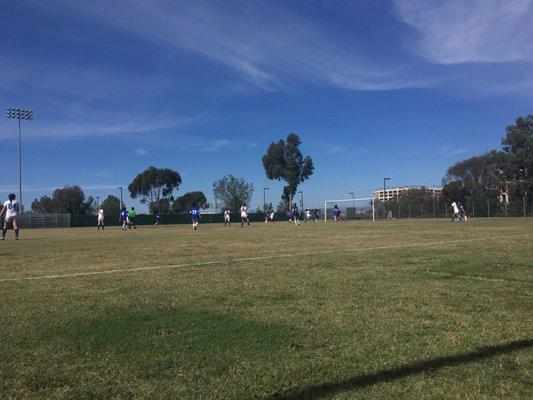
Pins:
<point x="351" y="209"/>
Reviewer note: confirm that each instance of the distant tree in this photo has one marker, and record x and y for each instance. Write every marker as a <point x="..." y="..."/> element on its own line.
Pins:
<point x="111" y="205"/>
<point x="233" y="192"/>
<point x="475" y="177"/>
<point x="154" y="185"/>
<point x="71" y="200"/>
<point x="283" y="206"/>
<point x="162" y="206"/>
<point x="284" y="161"/>
<point x="184" y="203"/>
<point x="518" y="155"/>
<point x="44" y="205"/>
<point x="268" y="207"/>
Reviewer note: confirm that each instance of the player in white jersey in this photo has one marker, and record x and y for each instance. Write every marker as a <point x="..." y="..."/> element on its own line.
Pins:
<point x="244" y="216"/>
<point x="456" y="211"/>
<point x="10" y="212"/>
<point x="100" y="218"/>
<point x="227" y="217"/>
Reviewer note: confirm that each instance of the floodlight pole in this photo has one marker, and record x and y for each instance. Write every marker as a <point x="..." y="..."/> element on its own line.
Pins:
<point x="20" y="113"/>
<point x="264" y="198"/>
<point x="301" y="200"/>
<point x="121" y="202"/>
<point x="353" y="205"/>
<point x="20" y="165"/>
<point x="385" y="195"/>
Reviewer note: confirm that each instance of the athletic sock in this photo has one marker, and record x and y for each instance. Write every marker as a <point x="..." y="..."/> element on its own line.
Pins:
<point x="4" y="231"/>
<point x="17" y="233"/>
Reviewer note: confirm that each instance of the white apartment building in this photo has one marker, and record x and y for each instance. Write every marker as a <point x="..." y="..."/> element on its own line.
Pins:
<point x="398" y="191"/>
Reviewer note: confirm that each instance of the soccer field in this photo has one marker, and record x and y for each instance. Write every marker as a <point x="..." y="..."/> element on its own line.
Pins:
<point x="394" y="309"/>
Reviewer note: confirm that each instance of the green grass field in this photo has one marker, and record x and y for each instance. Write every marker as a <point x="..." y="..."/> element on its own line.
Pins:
<point x="387" y="310"/>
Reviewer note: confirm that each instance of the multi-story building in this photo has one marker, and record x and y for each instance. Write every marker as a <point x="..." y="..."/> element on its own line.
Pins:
<point x="390" y="193"/>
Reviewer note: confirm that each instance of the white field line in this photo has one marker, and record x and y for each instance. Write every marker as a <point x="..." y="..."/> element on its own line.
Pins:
<point x="469" y="277"/>
<point x="257" y="258"/>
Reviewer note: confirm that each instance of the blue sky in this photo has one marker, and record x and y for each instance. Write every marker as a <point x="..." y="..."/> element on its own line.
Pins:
<point x="374" y="88"/>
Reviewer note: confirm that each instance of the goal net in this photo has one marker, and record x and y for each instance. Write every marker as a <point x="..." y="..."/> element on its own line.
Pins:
<point x="351" y="209"/>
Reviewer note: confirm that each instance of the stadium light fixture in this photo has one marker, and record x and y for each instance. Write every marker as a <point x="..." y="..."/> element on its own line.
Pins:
<point x="20" y="114"/>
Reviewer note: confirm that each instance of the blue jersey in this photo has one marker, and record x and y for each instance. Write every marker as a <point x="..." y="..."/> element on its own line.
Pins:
<point x="295" y="212"/>
<point x="195" y="213"/>
<point x="336" y="212"/>
<point x="123" y="215"/>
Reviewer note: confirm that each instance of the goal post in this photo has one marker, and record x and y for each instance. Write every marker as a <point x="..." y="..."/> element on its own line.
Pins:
<point x="352" y="209"/>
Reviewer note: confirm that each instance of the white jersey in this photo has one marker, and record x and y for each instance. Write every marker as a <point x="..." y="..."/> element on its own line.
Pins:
<point x="100" y="215"/>
<point x="455" y="207"/>
<point x="12" y="209"/>
<point x="226" y="215"/>
<point x="244" y="213"/>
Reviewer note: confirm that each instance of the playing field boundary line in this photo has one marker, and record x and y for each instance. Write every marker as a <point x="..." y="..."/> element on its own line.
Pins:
<point x="244" y="259"/>
<point x="469" y="277"/>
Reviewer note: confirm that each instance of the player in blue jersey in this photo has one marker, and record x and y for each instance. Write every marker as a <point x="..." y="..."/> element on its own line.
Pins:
<point x="295" y="214"/>
<point x="462" y="212"/>
<point x="195" y="216"/>
<point x="10" y="212"/>
<point x="336" y="213"/>
<point x="123" y="218"/>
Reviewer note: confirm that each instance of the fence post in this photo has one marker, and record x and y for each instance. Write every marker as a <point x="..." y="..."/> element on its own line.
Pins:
<point x="409" y="208"/>
<point x="488" y="208"/>
<point x="524" y="204"/>
<point x="473" y="210"/>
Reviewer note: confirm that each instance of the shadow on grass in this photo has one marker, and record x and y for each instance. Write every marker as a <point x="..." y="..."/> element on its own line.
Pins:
<point x="326" y="389"/>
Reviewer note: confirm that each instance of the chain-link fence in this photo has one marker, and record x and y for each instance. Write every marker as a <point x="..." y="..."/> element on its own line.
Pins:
<point x="31" y="220"/>
<point x="439" y="207"/>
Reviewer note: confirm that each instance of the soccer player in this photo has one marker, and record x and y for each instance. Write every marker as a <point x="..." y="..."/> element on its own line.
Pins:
<point x="227" y="217"/>
<point x="317" y="216"/>
<point x="244" y="216"/>
<point x="132" y="216"/>
<point x="10" y="211"/>
<point x="267" y="217"/>
<point x="336" y="213"/>
<point x="157" y="218"/>
<point x="462" y="212"/>
<point x="295" y="214"/>
<point x="195" y="216"/>
<point x="307" y="215"/>
<point x="271" y="216"/>
<point x="123" y="218"/>
<point x="100" y="223"/>
<point x="456" y="212"/>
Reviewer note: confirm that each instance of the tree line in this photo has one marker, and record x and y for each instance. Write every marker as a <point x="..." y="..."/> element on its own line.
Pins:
<point x="499" y="179"/>
<point x="480" y="180"/>
<point x="155" y="187"/>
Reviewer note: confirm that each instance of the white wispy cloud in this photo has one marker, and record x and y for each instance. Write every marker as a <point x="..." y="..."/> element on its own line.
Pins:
<point x="266" y="43"/>
<point x="446" y="151"/>
<point x="141" y="152"/>
<point x="459" y="31"/>
<point x="77" y="128"/>
<point x="44" y="189"/>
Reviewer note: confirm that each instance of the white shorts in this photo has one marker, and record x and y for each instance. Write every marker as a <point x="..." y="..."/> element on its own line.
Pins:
<point x="100" y="219"/>
<point x="9" y="218"/>
<point x="244" y="215"/>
